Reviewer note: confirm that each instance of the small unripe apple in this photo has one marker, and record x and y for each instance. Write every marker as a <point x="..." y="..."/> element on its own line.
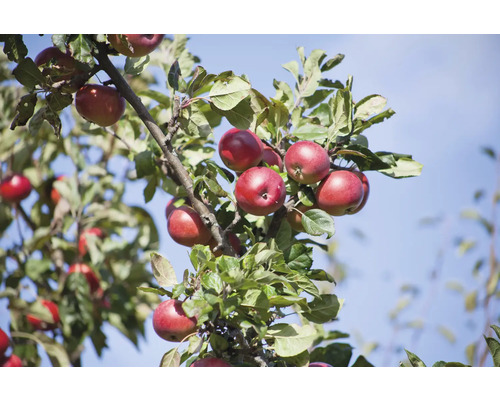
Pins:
<point x="55" y="196"/>
<point x="186" y="227"/>
<point x="62" y="67"/>
<point x="319" y="364"/>
<point x="294" y="217"/>
<point x="340" y="192"/>
<point x="89" y="274"/>
<point x="171" y="323"/>
<point x="210" y="362"/>
<point x="240" y="150"/>
<point x="171" y="206"/>
<point x="260" y="191"/>
<point x="233" y="240"/>
<point x="102" y="105"/>
<point x="140" y="45"/>
<point x="40" y="325"/>
<point x="12" y="361"/>
<point x="82" y="242"/>
<point x="307" y="162"/>
<point x="15" y="188"/>
<point x="366" y="191"/>
<point x="270" y="157"/>
<point x="4" y="343"/>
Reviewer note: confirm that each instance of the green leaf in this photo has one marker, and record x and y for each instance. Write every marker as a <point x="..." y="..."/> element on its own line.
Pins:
<point x="144" y="163"/>
<point x="361" y="361"/>
<point x="226" y="93"/>
<point x="81" y="47"/>
<point x="299" y="257"/>
<point x="368" y="161"/>
<point x="150" y="189"/>
<point x="24" y="110"/>
<point x="136" y="65"/>
<point x="335" y="354"/>
<point x="284" y="235"/>
<point x="310" y="132"/>
<point x="28" y="74"/>
<point x="494" y="347"/>
<point x="414" y="360"/>
<point x="36" y="268"/>
<point x="158" y="291"/>
<point x="341" y="106"/>
<point x="211" y="280"/>
<point x="255" y="298"/>
<point x="317" y="222"/>
<point x="489" y="152"/>
<point x="57" y="354"/>
<point x="58" y="101"/>
<point x="174" y="74"/>
<point x="290" y="340"/>
<point x="311" y="65"/>
<point x="496" y="329"/>
<point x="471" y="301"/>
<point x="14" y="47"/>
<point x="162" y="270"/>
<point x="361" y="125"/>
<point x="447" y="333"/>
<point x="404" y="168"/>
<point x="323" y="309"/>
<point x="171" y="358"/>
<point x="332" y="62"/>
<point x="293" y="68"/>
<point x="320" y="275"/>
<point x="369" y="106"/>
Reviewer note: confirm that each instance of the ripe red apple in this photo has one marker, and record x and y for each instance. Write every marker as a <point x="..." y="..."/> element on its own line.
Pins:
<point x="141" y="45"/>
<point x="102" y="105"/>
<point x="233" y="240"/>
<point x="366" y="191"/>
<point x="260" y="191"/>
<point x="4" y="343"/>
<point x="62" y="67"/>
<point x="294" y="217"/>
<point x="55" y="196"/>
<point x="171" y="206"/>
<point x="270" y="157"/>
<point x="82" y="243"/>
<point x="15" y="188"/>
<point x="319" y="364"/>
<point x="170" y="321"/>
<point x="40" y="325"/>
<point x="240" y="150"/>
<point x="210" y="362"/>
<point x="340" y="192"/>
<point x="186" y="227"/>
<point x="90" y="275"/>
<point x="307" y="162"/>
<point x="12" y="361"/>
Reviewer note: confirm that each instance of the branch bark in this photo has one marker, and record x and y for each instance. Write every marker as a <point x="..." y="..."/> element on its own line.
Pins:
<point x="205" y="211"/>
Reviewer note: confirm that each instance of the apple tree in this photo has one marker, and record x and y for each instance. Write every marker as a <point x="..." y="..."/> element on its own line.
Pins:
<point x="290" y="164"/>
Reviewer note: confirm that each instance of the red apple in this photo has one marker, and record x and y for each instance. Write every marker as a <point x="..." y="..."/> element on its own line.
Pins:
<point x="55" y="196"/>
<point x="139" y="45"/>
<point x="4" y="343"/>
<point x="260" y="191"/>
<point x="61" y="66"/>
<point x="171" y="323"/>
<point x="89" y="274"/>
<point x="307" y="162"/>
<point x="82" y="243"/>
<point x="240" y="150"/>
<point x="15" y="188"/>
<point x="210" y="362"/>
<point x="233" y="240"/>
<point x="12" y="361"/>
<point x="102" y="105"/>
<point x="366" y="191"/>
<point x="294" y="217"/>
<point x="171" y="206"/>
<point x="186" y="227"/>
<point x="270" y="157"/>
<point x="340" y="192"/>
<point x="319" y="364"/>
<point x="40" y="325"/>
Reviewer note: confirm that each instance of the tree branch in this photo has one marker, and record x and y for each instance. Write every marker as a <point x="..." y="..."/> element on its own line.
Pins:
<point x="205" y="211"/>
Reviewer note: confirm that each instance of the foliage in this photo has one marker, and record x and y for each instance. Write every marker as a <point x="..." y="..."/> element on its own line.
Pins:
<point x="240" y="301"/>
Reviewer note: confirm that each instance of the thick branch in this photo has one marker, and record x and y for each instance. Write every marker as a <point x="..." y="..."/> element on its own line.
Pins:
<point x="205" y="211"/>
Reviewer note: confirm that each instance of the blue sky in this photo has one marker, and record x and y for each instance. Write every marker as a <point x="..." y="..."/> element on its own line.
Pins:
<point x="444" y="90"/>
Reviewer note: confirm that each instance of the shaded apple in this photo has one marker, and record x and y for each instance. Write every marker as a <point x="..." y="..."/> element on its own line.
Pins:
<point x="307" y="162"/>
<point x="186" y="227"/>
<point x="15" y="188"/>
<point x="294" y="217"/>
<point x="138" y="45"/>
<point x="366" y="191"/>
<point x="233" y="240"/>
<point x="270" y="157"/>
<point x="102" y="105"/>
<point x="171" y="205"/>
<point x="340" y="192"/>
<point x="89" y="274"/>
<point x="55" y="196"/>
<point x="4" y="343"/>
<point x="41" y="325"/>
<point x="170" y="321"/>
<point x="210" y="362"/>
<point x="240" y="150"/>
<point x="260" y="191"/>
<point x="12" y="361"/>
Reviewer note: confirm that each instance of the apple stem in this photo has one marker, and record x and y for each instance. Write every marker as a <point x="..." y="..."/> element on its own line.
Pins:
<point x="206" y="212"/>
